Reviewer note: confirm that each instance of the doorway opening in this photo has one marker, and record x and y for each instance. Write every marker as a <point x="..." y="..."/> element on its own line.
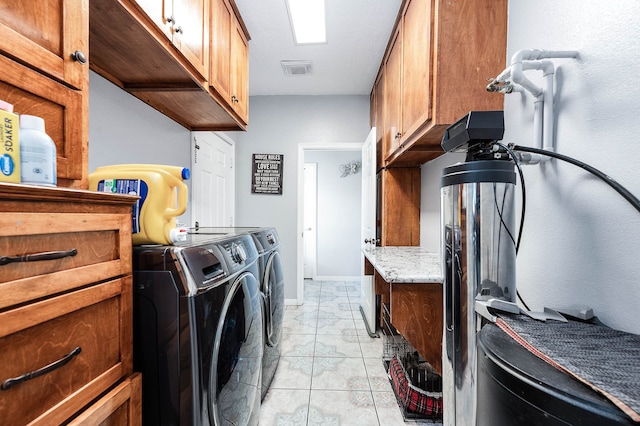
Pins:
<point x="303" y="149"/>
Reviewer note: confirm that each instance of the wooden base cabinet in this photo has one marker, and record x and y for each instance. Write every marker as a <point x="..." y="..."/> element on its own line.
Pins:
<point x="65" y="304"/>
<point x="416" y="312"/>
<point x="121" y="406"/>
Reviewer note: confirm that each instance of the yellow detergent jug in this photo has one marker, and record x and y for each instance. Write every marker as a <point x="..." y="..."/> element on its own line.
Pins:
<point x="163" y="197"/>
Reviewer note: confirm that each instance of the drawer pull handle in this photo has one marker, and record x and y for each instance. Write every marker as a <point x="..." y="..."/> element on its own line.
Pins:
<point x="9" y="383"/>
<point x="50" y="255"/>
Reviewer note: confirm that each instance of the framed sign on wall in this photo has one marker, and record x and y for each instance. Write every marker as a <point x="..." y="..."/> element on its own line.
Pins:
<point x="266" y="174"/>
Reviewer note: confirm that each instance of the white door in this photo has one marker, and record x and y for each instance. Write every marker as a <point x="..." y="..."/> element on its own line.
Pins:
<point x="368" y="225"/>
<point x="310" y="213"/>
<point x="213" y="180"/>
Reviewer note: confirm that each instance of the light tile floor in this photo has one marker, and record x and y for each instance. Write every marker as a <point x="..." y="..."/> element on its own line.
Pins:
<point x="330" y="371"/>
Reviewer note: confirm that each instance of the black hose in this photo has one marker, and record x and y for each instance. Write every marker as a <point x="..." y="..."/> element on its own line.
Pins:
<point x="523" y="210"/>
<point x="523" y="190"/>
<point x="632" y="199"/>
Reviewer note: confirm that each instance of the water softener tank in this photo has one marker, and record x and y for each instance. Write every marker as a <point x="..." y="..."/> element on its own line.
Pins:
<point x="163" y="197"/>
<point x="478" y="238"/>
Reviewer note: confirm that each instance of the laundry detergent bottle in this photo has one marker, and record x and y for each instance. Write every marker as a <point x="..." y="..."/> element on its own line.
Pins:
<point x="163" y="196"/>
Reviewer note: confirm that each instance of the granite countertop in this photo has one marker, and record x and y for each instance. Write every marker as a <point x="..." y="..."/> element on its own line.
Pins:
<point x="405" y="264"/>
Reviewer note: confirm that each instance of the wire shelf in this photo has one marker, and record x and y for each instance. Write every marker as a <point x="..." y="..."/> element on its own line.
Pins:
<point x="419" y="372"/>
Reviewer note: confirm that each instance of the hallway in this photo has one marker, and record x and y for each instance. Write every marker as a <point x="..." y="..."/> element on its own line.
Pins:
<point x="331" y="371"/>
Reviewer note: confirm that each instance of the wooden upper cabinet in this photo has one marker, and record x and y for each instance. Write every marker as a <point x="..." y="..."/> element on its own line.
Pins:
<point x="436" y="66"/>
<point x="416" y="64"/>
<point x="229" y="65"/>
<point x="45" y="34"/>
<point x="159" y="11"/>
<point x="377" y="115"/>
<point x="186" y="24"/>
<point x="159" y="52"/>
<point x="220" y="51"/>
<point x="407" y="84"/>
<point x="240" y="72"/>
<point x="190" y="27"/>
<point x="392" y="95"/>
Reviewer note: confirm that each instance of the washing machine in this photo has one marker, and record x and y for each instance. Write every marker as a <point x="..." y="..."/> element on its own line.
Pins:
<point x="198" y="331"/>
<point x="271" y="282"/>
<point x="272" y="290"/>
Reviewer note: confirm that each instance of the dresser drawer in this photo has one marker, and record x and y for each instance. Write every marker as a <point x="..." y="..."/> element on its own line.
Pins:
<point x="96" y="320"/>
<point x="122" y="406"/>
<point x="43" y="254"/>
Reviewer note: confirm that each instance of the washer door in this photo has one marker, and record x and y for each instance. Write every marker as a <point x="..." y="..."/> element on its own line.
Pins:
<point x="234" y="380"/>
<point x="273" y="289"/>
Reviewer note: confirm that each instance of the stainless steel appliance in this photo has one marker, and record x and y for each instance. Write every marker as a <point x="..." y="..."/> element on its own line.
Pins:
<point x="272" y="289"/>
<point x="478" y="246"/>
<point x="198" y="330"/>
<point x="271" y="284"/>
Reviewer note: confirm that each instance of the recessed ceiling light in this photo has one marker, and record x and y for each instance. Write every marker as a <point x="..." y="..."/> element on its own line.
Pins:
<point x="307" y="21"/>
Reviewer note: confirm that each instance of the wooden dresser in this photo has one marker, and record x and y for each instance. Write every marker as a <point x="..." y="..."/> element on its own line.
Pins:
<point x="66" y="308"/>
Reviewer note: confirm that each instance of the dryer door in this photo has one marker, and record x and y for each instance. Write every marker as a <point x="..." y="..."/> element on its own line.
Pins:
<point x="234" y="380"/>
<point x="273" y="289"/>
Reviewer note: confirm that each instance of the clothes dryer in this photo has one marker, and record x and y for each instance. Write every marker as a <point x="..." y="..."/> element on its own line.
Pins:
<point x="272" y="290"/>
<point x="198" y="331"/>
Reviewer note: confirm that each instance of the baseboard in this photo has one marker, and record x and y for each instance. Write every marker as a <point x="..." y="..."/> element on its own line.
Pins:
<point x="292" y="302"/>
<point x="336" y="278"/>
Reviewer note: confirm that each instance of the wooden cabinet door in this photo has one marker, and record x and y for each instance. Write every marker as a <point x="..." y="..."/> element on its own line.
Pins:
<point x="63" y="110"/>
<point x="160" y="12"/>
<point x="379" y="107"/>
<point x="121" y="406"/>
<point x="416" y="64"/>
<point x="392" y="96"/>
<point x="416" y="311"/>
<point x="229" y="65"/>
<point x="191" y="32"/>
<point x="44" y="34"/>
<point x="240" y="72"/>
<point x="220" y="53"/>
<point x="186" y="24"/>
<point x="400" y="206"/>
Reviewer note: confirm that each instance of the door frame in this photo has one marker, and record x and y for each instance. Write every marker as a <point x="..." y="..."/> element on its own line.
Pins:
<point x="302" y="147"/>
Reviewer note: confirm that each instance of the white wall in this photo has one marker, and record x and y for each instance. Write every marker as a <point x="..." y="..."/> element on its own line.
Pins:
<point x="338" y="214"/>
<point x="278" y="124"/>
<point x="123" y="129"/>
<point x="581" y="239"/>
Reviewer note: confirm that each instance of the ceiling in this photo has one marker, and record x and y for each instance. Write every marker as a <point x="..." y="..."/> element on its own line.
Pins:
<point x="357" y="35"/>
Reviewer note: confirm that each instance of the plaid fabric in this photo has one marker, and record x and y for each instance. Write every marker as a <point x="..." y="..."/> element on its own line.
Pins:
<point x="412" y="398"/>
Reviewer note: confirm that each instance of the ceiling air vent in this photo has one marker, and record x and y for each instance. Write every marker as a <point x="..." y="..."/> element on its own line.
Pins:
<point x="296" y="67"/>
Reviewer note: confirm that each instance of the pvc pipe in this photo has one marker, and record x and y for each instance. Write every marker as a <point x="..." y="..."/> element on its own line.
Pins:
<point x="549" y="119"/>
<point x="538" y="123"/>
<point x="544" y="111"/>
